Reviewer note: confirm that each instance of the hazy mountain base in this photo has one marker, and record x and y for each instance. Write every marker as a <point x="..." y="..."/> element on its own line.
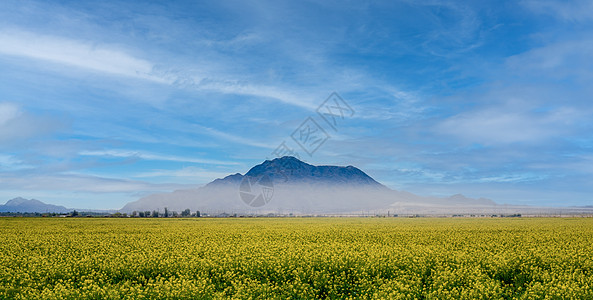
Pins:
<point x="304" y="199"/>
<point x="296" y="187"/>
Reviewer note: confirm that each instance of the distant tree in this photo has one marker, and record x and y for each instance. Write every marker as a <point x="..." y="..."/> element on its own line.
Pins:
<point x="147" y="213"/>
<point x="174" y="214"/>
<point x="166" y="213"/>
<point x="74" y="213"/>
<point x="198" y="214"/>
<point x="141" y="214"/>
<point x="186" y="213"/>
<point x="134" y="213"/>
<point x="155" y="214"/>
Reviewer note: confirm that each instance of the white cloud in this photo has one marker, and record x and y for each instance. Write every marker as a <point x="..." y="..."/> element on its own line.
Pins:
<point x="510" y="123"/>
<point x="77" y="53"/>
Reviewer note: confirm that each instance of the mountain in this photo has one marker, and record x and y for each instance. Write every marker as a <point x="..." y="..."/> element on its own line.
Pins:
<point x="31" y="206"/>
<point x="290" y="170"/>
<point x="288" y="185"/>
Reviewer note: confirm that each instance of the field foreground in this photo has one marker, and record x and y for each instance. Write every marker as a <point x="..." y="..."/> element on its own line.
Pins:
<point x="296" y="258"/>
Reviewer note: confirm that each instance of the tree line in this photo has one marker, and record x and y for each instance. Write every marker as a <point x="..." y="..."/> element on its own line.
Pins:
<point x="187" y="213"/>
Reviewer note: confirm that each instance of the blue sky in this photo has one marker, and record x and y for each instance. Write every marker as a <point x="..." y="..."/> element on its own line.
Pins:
<point x="104" y="102"/>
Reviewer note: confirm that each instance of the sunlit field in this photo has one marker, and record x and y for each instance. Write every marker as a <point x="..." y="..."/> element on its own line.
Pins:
<point x="296" y="258"/>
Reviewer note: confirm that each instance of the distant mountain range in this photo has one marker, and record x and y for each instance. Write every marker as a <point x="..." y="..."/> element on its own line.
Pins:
<point x="288" y="185"/>
<point x="31" y="206"/>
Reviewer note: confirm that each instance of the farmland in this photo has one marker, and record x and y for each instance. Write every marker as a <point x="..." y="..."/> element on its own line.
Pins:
<point x="298" y="258"/>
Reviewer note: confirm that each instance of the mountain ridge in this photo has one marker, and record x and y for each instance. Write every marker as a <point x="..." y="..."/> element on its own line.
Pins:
<point x="289" y="169"/>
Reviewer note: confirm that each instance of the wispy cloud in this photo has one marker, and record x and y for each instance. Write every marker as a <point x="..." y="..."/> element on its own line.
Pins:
<point x="152" y="156"/>
<point x="447" y="38"/>
<point x="189" y="173"/>
<point x="108" y="59"/>
<point x="269" y="92"/>
<point x="232" y="137"/>
<point x="565" y="58"/>
<point x="11" y="163"/>
<point x="77" y="53"/>
<point x="574" y="11"/>
<point x="82" y="183"/>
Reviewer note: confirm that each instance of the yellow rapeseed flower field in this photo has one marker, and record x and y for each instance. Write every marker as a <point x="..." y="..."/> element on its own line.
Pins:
<point x="296" y="258"/>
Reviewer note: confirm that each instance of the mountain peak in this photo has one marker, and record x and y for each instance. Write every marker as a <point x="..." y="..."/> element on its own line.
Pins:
<point x="286" y="158"/>
<point x="287" y="162"/>
<point x="16" y="201"/>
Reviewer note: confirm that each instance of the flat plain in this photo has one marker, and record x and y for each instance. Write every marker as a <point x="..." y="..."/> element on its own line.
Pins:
<point x="296" y="258"/>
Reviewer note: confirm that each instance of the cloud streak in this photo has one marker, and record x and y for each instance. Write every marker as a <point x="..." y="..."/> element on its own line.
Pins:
<point x="152" y="156"/>
<point x="83" y="183"/>
<point x="571" y="11"/>
<point x="76" y="53"/>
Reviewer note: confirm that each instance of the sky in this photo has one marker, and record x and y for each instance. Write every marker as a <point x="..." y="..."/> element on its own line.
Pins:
<point x="103" y="102"/>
